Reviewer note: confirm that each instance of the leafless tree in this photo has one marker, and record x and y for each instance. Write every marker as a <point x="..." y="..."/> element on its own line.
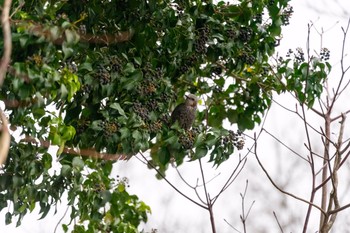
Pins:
<point x="324" y="167"/>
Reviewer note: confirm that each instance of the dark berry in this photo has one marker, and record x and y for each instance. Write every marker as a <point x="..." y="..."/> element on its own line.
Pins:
<point x="325" y="54"/>
<point x="299" y="56"/>
<point x="140" y="110"/>
<point x="245" y="34"/>
<point x="217" y="70"/>
<point x="154" y="127"/>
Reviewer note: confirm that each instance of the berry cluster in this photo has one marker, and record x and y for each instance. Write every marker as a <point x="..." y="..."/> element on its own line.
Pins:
<point x="187" y="139"/>
<point x="140" y="110"/>
<point x="216" y="70"/>
<point x="124" y="181"/>
<point x="232" y="34"/>
<point x="82" y="126"/>
<point x="99" y="187"/>
<point x="151" y="80"/>
<point x="245" y="34"/>
<point x="71" y="66"/>
<point x="86" y="88"/>
<point x="82" y="29"/>
<point x="188" y="63"/>
<point x="116" y="65"/>
<point x="234" y="137"/>
<point x="299" y="56"/>
<point x="325" y="54"/>
<point x="247" y="58"/>
<point x="286" y="14"/>
<point x="203" y="36"/>
<point x="258" y="18"/>
<point x="165" y="118"/>
<point x="37" y="59"/>
<point x="290" y="51"/>
<point x="146" y="87"/>
<point x="271" y="3"/>
<point x="152" y="105"/>
<point x="109" y="128"/>
<point x="103" y="75"/>
<point x="154" y="127"/>
<point x="264" y="71"/>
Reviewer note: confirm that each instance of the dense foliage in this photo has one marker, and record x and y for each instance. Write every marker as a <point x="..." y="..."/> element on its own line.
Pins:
<point x="105" y="75"/>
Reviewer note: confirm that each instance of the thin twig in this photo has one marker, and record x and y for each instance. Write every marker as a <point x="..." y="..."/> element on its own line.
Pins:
<point x="283" y="144"/>
<point x="209" y="203"/>
<point x="173" y="186"/>
<point x="231" y="226"/>
<point x="278" y="188"/>
<point x="65" y="212"/>
<point x="244" y="216"/>
<point x="278" y="223"/>
<point x="232" y="177"/>
<point x="192" y="187"/>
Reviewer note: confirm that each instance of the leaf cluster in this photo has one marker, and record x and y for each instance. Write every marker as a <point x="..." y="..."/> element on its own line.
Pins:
<point x="107" y="74"/>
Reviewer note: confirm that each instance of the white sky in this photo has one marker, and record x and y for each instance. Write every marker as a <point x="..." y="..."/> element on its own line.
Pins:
<point x="171" y="213"/>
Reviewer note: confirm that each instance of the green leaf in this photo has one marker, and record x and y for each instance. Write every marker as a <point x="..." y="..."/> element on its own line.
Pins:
<point x="8" y="218"/>
<point x="210" y="140"/>
<point x="201" y="151"/>
<point x="56" y="139"/>
<point x="137" y="135"/>
<point x="163" y="155"/>
<point x="125" y="132"/>
<point x="121" y="187"/>
<point x="118" y="108"/>
<point x="71" y="36"/>
<point x="67" y="50"/>
<point x="66" y="170"/>
<point x="232" y="116"/>
<point x="129" y="68"/>
<point x="67" y="132"/>
<point x="78" y="163"/>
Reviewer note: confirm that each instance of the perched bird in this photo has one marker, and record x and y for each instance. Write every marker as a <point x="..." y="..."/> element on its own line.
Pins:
<point x="185" y="113"/>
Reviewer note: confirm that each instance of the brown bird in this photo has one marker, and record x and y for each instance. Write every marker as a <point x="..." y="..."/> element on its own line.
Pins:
<point x="185" y="113"/>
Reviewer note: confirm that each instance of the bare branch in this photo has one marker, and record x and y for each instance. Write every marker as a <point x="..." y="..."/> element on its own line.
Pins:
<point x="338" y="91"/>
<point x="244" y="215"/>
<point x="232" y="177"/>
<point x="340" y="116"/>
<point x="231" y="226"/>
<point x="339" y="209"/>
<point x="173" y="186"/>
<point x="281" y="190"/>
<point x="209" y="203"/>
<point x="283" y="144"/>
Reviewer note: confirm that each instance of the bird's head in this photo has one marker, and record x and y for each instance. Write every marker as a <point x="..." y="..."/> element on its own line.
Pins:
<point x="191" y="100"/>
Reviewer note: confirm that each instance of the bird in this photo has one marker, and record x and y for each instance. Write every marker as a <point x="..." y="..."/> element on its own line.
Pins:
<point x="185" y="113"/>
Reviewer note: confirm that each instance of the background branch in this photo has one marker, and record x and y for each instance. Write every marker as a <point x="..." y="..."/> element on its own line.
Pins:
<point x="6" y="30"/>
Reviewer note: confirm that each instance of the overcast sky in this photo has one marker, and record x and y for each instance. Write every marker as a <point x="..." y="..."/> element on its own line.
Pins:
<point x="171" y="213"/>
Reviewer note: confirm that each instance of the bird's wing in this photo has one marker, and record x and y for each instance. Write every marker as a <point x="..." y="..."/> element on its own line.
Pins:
<point x="175" y="114"/>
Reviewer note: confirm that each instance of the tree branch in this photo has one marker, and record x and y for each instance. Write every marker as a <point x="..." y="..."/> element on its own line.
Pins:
<point x="6" y="30"/>
<point x="173" y="186"/>
<point x="87" y="152"/>
<point x="58" y="38"/>
<point x="277" y="187"/>
<point x="5" y="139"/>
